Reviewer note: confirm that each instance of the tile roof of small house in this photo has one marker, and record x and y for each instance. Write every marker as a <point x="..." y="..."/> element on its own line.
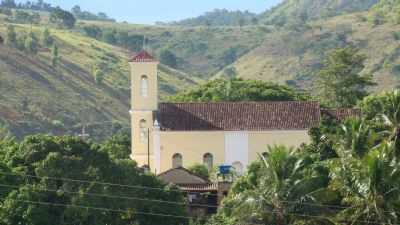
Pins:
<point x="251" y="116"/>
<point x="143" y="56"/>
<point x="182" y="176"/>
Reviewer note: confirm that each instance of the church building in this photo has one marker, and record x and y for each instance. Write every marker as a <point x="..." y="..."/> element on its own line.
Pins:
<point x="173" y="135"/>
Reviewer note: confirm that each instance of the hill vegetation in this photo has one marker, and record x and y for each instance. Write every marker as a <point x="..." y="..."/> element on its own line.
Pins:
<point x="219" y="17"/>
<point x="73" y="82"/>
<point x="86" y="62"/>
<point x="295" y="11"/>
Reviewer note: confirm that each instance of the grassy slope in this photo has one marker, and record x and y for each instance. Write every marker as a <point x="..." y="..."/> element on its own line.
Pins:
<point x="33" y="94"/>
<point x="200" y="49"/>
<point x="312" y="9"/>
<point x="298" y="56"/>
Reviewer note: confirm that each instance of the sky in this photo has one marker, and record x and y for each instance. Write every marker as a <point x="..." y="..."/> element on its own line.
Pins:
<point x="150" y="11"/>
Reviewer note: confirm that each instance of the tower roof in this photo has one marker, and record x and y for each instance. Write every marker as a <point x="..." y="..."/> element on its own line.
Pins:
<point x="143" y="56"/>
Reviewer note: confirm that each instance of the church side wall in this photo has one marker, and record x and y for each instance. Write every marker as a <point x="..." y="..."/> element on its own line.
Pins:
<point x="259" y="141"/>
<point x="192" y="145"/>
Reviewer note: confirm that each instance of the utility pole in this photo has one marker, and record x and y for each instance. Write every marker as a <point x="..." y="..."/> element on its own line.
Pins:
<point x="148" y="147"/>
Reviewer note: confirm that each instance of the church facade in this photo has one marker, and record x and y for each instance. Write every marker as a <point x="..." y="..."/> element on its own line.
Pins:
<point x="172" y="135"/>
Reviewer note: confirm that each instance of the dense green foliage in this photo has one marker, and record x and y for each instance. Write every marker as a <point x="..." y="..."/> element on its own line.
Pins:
<point x="236" y="90"/>
<point x="385" y="11"/>
<point x="358" y="182"/>
<point x="85" y="15"/>
<point x="294" y="11"/>
<point x="340" y="82"/>
<point x="200" y="170"/>
<point x="45" y="189"/>
<point x="220" y="17"/>
<point x="62" y="18"/>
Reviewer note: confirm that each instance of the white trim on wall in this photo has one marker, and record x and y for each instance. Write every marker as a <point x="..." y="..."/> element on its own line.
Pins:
<point x="237" y="147"/>
<point x="157" y="150"/>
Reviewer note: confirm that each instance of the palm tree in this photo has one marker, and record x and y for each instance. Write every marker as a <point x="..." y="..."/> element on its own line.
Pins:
<point x="385" y="109"/>
<point x="288" y="189"/>
<point x="370" y="187"/>
<point x="356" y="137"/>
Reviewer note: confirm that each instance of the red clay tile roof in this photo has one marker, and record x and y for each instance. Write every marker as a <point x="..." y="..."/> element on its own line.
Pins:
<point x="143" y="56"/>
<point x="251" y="116"/>
<point x="341" y="113"/>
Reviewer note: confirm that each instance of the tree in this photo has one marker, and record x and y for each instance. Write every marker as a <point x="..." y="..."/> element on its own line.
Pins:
<point x="282" y="188"/>
<point x="31" y="43"/>
<point x="230" y="56"/>
<point x="237" y="90"/>
<point x="98" y="76"/>
<point x="370" y="187"/>
<point x="241" y="22"/>
<point x="254" y="21"/>
<point x="76" y="10"/>
<point x="46" y="38"/>
<point x="384" y="110"/>
<point x="62" y="18"/>
<point x="109" y="36"/>
<point x="8" y="4"/>
<point x="54" y="56"/>
<point x="50" y="159"/>
<point x="200" y="170"/>
<point x="340" y="81"/>
<point x="93" y="31"/>
<point x="118" y="146"/>
<point x="168" y="58"/>
<point x="11" y="36"/>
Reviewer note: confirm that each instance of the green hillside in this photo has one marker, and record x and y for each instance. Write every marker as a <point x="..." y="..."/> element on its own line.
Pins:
<point x="290" y="11"/>
<point x="37" y="97"/>
<point x="296" y="56"/>
<point x="201" y="50"/>
<point x="219" y="17"/>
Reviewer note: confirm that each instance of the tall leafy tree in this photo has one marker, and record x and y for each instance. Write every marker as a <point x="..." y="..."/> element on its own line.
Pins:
<point x="54" y="56"/>
<point x="31" y="43"/>
<point x="340" y="81"/>
<point x="11" y="36"/>
<point x="237" y="90"/>
<point x="40" y="198"/>
<point x="62" y="18"/>
<point x="46" y="39"/>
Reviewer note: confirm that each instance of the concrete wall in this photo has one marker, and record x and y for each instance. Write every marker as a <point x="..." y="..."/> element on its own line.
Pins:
<point x="192" y="146"/>
<point x="259" y="141"/>
<point x="226" y="147"/>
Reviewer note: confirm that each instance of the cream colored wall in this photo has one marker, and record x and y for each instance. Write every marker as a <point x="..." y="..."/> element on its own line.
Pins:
<point x="192" y="146"/>
<point x="258" y="141"/>
<point x="138" y="69"/>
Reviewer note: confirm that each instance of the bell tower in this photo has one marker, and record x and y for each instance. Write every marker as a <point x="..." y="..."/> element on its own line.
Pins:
<point x="144" y="102"/>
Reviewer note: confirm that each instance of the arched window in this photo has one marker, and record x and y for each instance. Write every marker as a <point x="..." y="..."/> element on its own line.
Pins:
<point x="208" y="160"/>
<point x="238" y="167"/>
<point x="143" y="131"/>
<point x="144" y="86"/>
<point x="177" y="160"/>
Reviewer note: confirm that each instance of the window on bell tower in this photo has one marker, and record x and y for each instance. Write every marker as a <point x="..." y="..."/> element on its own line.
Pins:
<point x="144" y="86"/>
<point x="143" y="131"/>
